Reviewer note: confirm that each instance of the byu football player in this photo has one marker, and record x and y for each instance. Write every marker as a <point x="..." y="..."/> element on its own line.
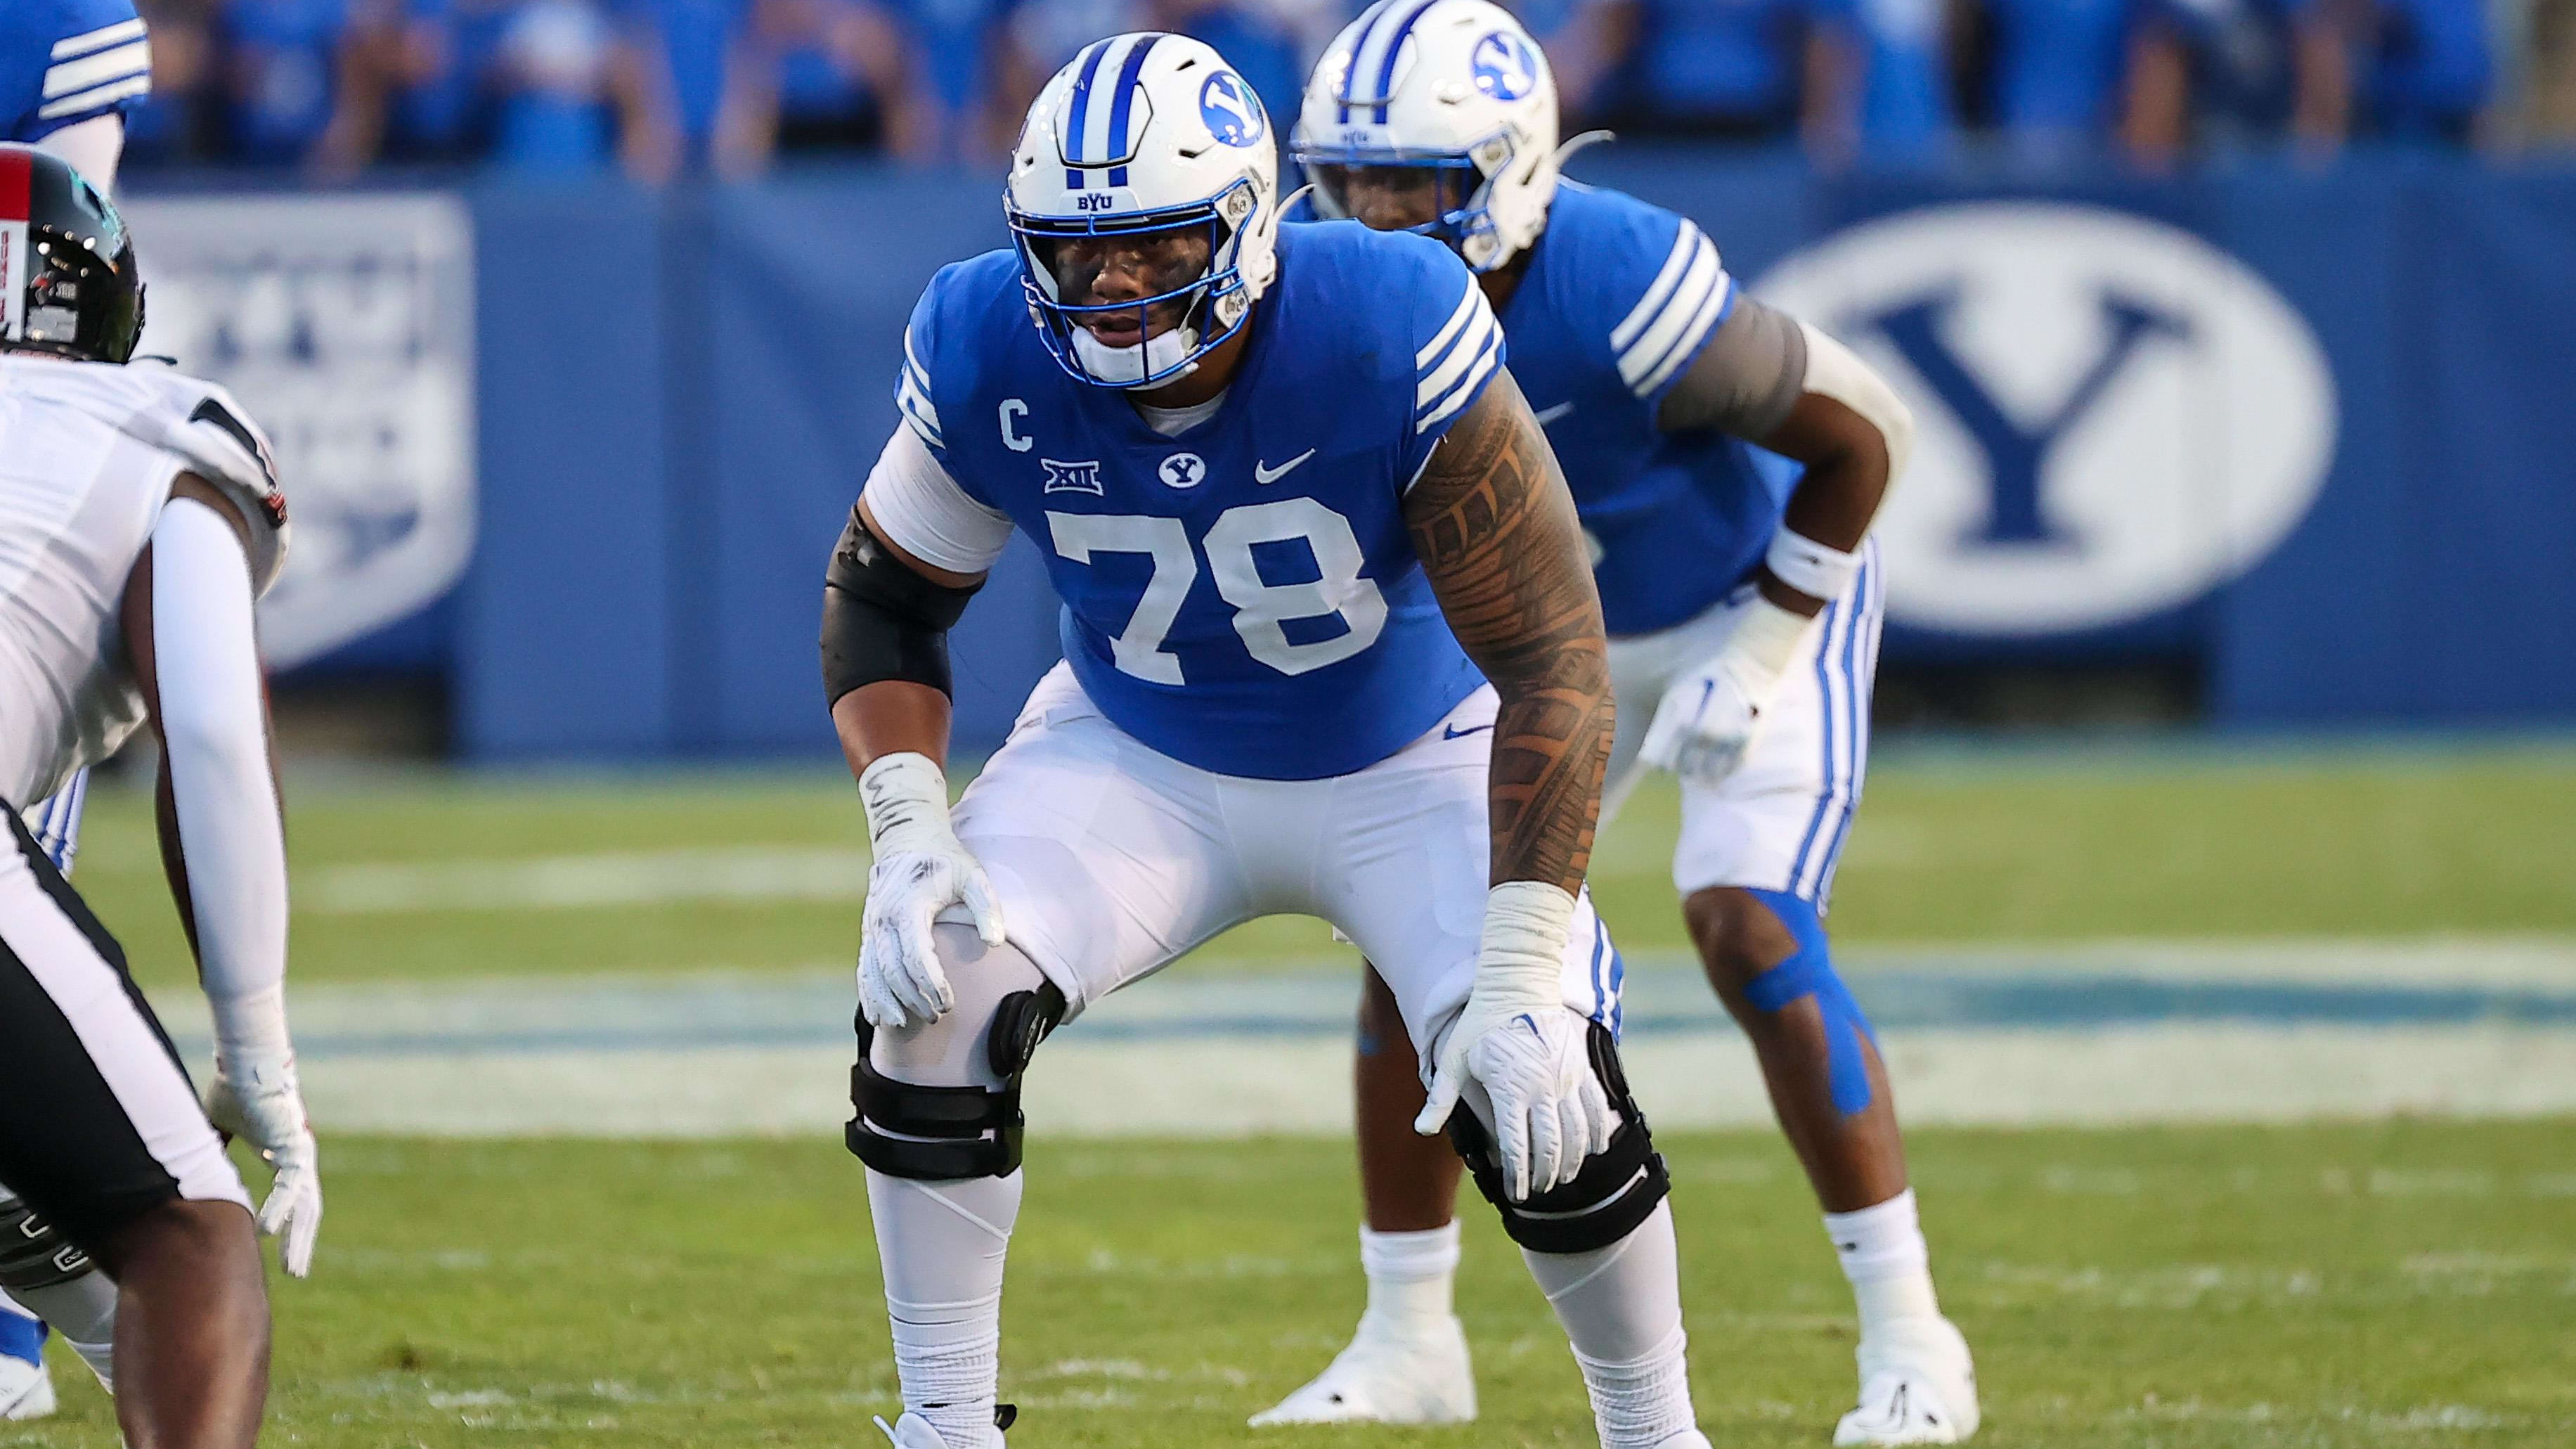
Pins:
<point x="1743" y="603"/>
<point x="1299" y="516"/>
<point x="139" y="518"/>
<point x="69" y="70"/>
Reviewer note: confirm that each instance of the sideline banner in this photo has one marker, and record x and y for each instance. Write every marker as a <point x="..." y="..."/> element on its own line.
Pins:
<point x="346" y="326"/>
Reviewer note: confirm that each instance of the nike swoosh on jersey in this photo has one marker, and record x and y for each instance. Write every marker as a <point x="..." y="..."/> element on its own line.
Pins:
<point x="1546" y="416"/>
<point x="1263" y="473"/>
<point x="1452" y="732"/>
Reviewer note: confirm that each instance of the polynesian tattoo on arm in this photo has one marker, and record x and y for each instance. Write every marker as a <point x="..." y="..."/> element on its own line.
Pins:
<point x="1495" y="528"/>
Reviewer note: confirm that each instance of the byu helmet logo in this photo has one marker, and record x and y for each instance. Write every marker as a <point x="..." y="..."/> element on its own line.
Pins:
<point x="2115" y="416"/>
<point x="1184" y="470"/>
<point x="1231" y="110"/>
<point x="1504" y="67"/>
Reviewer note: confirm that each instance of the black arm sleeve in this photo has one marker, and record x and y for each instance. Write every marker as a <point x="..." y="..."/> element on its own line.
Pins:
<point x="881" y="620"/>
<point x="1745" y="380"/>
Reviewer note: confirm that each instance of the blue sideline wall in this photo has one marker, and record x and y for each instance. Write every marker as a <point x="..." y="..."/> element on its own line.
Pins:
<point x="680" y="395"/>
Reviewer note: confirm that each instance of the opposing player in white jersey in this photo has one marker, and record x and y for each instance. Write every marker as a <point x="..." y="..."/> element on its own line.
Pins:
<point x="1294" y="538"/>
<point x="69" y="70"/>
<point x="1743" y="607"/>
<point x="139" y="518"/>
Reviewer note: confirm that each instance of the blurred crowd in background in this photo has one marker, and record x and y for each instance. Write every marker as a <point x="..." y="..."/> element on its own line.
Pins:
<point x="731" y="87"/>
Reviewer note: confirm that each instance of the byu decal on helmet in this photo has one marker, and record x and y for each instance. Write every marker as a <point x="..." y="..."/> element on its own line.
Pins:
<point x="1454" y="91"/>
<point x="1146" y="146"/>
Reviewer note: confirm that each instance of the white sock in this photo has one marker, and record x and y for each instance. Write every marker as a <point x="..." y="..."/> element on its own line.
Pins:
<point x="1890" y="1267"/>
<point x="1622" y="1310"/>
<point x="83" y="1311"/>
<point x="1410" y="1275"/>
<point x="941" y="1246"/>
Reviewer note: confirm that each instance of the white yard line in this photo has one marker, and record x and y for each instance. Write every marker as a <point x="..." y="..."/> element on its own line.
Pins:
<point x="570" y="882"/>
<point x="2133" y="1033"/>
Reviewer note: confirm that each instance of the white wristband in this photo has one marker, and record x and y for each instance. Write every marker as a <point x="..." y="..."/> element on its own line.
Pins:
<point x="1527" y="924"/>
<point x="1810" y="567"/>
<point x="906" y="797"/>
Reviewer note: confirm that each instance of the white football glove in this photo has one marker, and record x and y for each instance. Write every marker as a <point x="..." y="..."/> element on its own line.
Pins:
<point x="260" y="1102"/>
<point x="1709" y="715"/>
<point x="1531" y="1054"/>
<point x="920" y="870"/>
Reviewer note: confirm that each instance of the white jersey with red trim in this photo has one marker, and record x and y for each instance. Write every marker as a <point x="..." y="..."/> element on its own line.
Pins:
<point x="88" y="452"/>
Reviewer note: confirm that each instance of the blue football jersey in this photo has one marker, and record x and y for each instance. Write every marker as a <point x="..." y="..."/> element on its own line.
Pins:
<point x="1618" y="299"/>
<point x="65" y="61"/>
<point x="1242" y="596"/>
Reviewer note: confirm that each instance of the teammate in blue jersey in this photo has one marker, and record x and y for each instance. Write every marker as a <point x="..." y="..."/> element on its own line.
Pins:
<point x="1743" y="606"/>
<point x="1299" y="516"/>
<point x="69" y="71"/>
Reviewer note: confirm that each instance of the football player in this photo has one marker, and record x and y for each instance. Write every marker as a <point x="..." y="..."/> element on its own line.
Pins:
<point x="1299" y="516"/>
<point x="139" y="518"/>
<point x="1743" y="603"/>
<point x="69" y="70"/>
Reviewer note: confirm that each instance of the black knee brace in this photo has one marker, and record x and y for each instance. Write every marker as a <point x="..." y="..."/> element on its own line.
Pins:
<point x="969" y="1132"/>
<point x="1616" y="1190"/>
<point x="32" y="1254"/>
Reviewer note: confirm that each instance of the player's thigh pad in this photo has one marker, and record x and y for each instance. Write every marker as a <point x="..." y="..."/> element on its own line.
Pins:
<point x="1779" y="821"/>
<point x="1110" y="859"/>
<point x="941" y="1101"/>
<point x="107" y="1125"/>
<point x="1402" y="865"/>
<point x="1616" y="1190"/>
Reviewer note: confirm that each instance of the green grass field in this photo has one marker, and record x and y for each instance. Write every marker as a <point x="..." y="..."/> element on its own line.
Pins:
<point x="2403" y="1283"/>
<point x="2064" y="844"/>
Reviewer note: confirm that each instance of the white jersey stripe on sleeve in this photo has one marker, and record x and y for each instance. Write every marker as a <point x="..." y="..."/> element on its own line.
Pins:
<point x="1467" y="306"/>
<point x="912" y="395"/>
<point x="97" y="69"/>
<point x="1685" y="246"/>
<point x="1686" y="346"/>
<point x="99" y="39"/>
<point x="1457" y="397"/>
<point x="95" y="98"/>
<point x="1461" y="355"/>
<point x="1702" y="280"/>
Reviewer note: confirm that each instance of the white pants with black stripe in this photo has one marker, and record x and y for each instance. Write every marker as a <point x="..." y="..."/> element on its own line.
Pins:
<point x="102" y="1123"/>
<point x="1779" y="821"/>
<point x="1113" y="860"/>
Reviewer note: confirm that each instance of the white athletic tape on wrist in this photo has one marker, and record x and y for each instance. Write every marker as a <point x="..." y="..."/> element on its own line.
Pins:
<point x="906" y="797"/>
<point x="252" y="1047"/>
<point x="1817" y="570"/>
<point x="1765" y="643"/>
<point x="1527" y="925"/>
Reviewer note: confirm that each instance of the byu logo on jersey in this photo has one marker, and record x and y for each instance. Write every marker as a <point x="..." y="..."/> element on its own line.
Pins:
<point x="1504" y="67"/>
<point x="2114" y="416"/>
<point x="1082" y="477"/>
<point x="1231" y="110"/>
<point x="1184" y="470"/>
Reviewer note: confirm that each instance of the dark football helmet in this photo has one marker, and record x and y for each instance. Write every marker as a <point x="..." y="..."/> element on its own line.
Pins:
<point x="68" y="283"/>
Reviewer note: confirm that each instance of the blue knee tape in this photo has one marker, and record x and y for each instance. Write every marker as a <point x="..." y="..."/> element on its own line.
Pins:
<point x="1811" y="973"/>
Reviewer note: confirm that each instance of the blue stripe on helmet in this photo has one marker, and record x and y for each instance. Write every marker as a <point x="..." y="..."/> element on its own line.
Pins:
<point x="1394" y="48"/>
<point x="1359" y="47"/>
<point x="1123" y="107"/>
<point x="1081" y="111"/>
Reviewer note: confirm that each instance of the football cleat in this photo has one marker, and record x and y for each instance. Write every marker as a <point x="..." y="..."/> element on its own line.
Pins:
<point x="26" y="1390"/>
<point x="1917" y="1386"/>
<point x="1411" y="1375"/>
<point x="911" y="1431"/>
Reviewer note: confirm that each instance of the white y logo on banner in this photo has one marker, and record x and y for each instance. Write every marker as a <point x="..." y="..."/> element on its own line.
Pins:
<point x="345" y="326"/>
<point x="2113" y="417"/>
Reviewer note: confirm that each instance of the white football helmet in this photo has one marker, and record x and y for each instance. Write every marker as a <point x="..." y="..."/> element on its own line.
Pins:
<point x="1453" y="86"/>
<point x="1146" y="132"/>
